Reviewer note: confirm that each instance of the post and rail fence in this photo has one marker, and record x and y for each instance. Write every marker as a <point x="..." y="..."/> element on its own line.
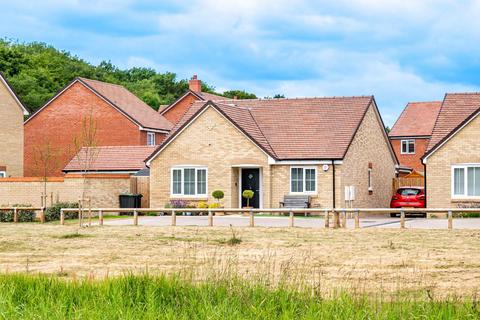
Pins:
<point x="340" y="216"/>
<point x="17" y="209"/>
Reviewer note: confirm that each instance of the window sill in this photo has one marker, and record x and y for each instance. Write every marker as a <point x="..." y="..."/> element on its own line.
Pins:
<point x="466" y="199"/>
<point x="313" y="194"/>
<point x="192" y="198"/>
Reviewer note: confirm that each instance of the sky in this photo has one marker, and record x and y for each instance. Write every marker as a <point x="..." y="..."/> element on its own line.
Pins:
<point x="396" y="50"/>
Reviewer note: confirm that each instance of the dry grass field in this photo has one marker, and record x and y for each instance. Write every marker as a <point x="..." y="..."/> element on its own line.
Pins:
<point x="432" y="262"/>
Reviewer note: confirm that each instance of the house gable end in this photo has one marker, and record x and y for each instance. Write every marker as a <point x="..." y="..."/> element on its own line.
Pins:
<point x="198" y="116"/>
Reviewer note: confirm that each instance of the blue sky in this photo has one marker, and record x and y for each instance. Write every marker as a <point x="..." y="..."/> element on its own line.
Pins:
<point x="398" y="50"/>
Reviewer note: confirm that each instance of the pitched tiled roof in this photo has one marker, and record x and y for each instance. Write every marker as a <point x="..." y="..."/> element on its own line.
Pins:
<point x="209" y="96"/>
<point x="292" y="129"/>
<point x="417" y="119"/>
<point x="118" y="158"/>
<point x="130" y="104"/>
<point x="457" y="108"/>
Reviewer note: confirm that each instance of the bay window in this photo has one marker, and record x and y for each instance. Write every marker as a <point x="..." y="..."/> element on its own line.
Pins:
<point x="466" y="181"/>
<point x="189" y="181"/>
<point x="303" y="180"/>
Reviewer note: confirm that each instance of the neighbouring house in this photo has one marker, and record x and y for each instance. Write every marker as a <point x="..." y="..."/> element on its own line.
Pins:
<point x="12" y="112"/>
<point x="411" y="134"/>
<point x="92" y="111"/>
<point x="315" y="147"/>
<point x="177" y="109"/>
<point x="452" y="160"/>
<point x="110" y="159"/>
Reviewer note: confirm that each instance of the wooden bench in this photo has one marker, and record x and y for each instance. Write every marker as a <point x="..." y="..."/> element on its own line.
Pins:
<point x="295" y="201"/>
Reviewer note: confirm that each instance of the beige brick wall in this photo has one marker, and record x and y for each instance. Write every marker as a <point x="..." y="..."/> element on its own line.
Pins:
<point x="103" y="191"/>
<point x="11" y="133"/>
<point x="460" y="149"/>
<point x="368" y="146"/>
<point x="213" y="142"/>
<point x="281" y="185"/>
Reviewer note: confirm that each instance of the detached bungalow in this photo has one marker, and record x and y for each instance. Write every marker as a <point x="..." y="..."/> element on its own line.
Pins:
<point x="452" y="160"/>
<point x="12" y="112"/>
<point x="276" y="147"/>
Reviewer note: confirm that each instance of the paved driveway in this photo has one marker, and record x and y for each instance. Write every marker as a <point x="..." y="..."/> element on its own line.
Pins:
<point x="310" y="222"/>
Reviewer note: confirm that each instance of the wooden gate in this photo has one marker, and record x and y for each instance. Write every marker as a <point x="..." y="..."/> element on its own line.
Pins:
<point x="414" y="179"/>
<point x="141" y="185"/>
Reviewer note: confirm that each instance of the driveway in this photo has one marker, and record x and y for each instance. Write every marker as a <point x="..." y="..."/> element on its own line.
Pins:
<point x="305" y="222"/>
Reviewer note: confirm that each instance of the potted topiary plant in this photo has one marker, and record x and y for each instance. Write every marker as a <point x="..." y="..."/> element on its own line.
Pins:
<point x="248" y="194"/>
<point x="218" y="195"/>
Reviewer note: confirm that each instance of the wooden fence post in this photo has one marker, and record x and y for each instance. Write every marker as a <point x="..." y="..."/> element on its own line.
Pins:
<point x="291" y="219"/>
<point x="42" y="215"/>
<point x="89" y="212"/>
<point x="344" y="221"/>
<point x="15" y="215"/>
<point x="357" y="219"/>
<point x="210" y="218"/>
<point x="62" y="217"/>
<point x="450" y="220"/>
<point x="135" y="217"/>
<point x="252" y="222"/>
<point x="174" y="218"/>
<point x="402" y="219"/>
<point x="100" y="217"/>
<point x="80" y="212"/>
<point x="336" y="219"/>
<point x="327" y="218"/>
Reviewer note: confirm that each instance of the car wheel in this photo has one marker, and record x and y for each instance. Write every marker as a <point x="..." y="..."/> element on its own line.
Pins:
<point x="393" y="215"/>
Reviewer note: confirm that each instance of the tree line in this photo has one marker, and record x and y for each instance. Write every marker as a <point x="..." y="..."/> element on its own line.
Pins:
<point x="37" y="71"/>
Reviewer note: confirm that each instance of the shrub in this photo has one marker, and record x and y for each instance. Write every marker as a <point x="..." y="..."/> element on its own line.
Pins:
<point x="53" y="213"/>
<point x="214" y="205"/>
<point x="218" y="194"/>
<point x="23" y="215"/>
<point x="202" y="205"/>
<point x="179" y="204"/>
<point x="248" y="194"/>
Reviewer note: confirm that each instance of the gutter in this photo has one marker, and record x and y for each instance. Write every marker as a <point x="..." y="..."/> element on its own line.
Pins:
<point x="333" y="182"/>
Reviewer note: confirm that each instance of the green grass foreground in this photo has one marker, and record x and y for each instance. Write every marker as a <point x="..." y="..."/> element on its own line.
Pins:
<point x="146" y="297"/>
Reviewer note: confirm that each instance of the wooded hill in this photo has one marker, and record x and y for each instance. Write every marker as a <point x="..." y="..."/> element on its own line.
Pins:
<point x="37" y="71"/>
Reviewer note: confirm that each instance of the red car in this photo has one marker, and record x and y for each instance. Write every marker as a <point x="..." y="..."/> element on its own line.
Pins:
<point x="408" y="197"/>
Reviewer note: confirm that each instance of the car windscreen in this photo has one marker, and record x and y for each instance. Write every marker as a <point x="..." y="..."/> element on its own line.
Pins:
<point x="409" y="192"/>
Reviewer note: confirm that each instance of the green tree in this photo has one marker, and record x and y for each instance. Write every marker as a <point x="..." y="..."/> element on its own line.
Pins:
<point x="239" y="94"/>
<point x="37" y="71"/>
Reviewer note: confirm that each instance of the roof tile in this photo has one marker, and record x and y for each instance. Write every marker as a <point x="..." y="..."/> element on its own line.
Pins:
<point x="130" y="104"/>
<point x="304" y="128"/>
<point x="456" y="109"/>
<point x="118" y="158"/>
<point x="417" y="119"/>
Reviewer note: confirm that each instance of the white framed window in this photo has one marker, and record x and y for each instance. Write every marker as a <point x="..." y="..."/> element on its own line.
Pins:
<point x="3" y="174"/>
<point x="189" y="181"/>
<point x="408" y="146"/>
<point x="466" y="181"/>
<point x="303" y="179"/>
<point x="150" y="138"/>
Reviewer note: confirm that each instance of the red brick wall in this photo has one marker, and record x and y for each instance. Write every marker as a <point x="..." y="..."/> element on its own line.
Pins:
<point x="411" y="160"/>
<point x="61" y="121"/>
<point x="177" y="111"/>
<point x="158" y="138"/>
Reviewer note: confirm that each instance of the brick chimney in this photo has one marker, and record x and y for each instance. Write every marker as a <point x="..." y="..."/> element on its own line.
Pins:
<point x="194" y="84"/>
